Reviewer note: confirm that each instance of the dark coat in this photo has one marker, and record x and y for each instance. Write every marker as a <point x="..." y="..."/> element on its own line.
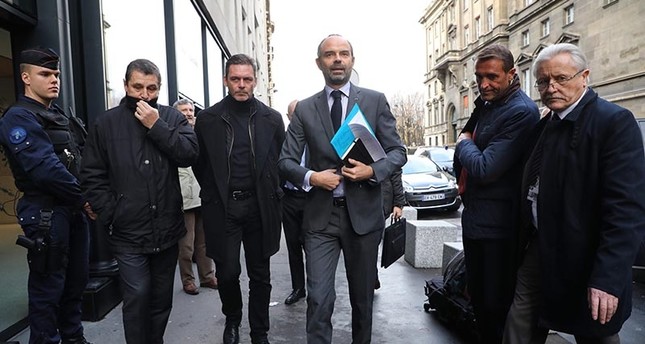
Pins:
<point x="392" y="191"/>
<point x="129" y="176"/>
<point x="591" y="213"/>
<point x="214" y="133"/>
<point x="493" y="161"/>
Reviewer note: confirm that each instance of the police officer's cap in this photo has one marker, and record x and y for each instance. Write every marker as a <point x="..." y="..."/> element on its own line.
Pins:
<point x="38" y="56"/>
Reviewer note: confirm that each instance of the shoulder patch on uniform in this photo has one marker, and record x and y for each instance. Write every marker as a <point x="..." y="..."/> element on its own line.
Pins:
<point x="17" y="135"/>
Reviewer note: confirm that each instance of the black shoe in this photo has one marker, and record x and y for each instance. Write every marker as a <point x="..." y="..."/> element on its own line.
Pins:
<point x="78" y="340"/>
<point x="377" y="284"/>
<point x="295" y="295"/>
<point x="231" y="334"/>
<point x="260" y="341"/>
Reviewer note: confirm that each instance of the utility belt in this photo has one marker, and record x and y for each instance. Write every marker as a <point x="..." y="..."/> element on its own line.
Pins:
<point x="43" y="255"/>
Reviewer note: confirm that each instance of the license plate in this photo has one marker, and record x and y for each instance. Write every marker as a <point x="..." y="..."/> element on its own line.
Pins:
<point x="433" y="197"/>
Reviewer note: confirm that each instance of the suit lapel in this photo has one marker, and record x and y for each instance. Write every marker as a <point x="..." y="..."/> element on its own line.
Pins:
<point x="354" y="97"/>
<point x="322" y="109"/>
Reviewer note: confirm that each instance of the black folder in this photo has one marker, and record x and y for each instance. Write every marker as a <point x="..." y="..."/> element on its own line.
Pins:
<point x="359" y="152"/>
<point x="393" y="242"/>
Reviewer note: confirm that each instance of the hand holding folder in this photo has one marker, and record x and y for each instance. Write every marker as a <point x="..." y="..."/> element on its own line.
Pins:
<point x="355" y="139"/>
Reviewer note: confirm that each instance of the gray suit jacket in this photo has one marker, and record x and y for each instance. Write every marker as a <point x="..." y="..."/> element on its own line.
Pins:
<point x="311" y="125"/>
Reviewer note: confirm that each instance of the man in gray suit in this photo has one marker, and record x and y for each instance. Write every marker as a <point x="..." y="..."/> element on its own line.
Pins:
<point x="344" y="206"/>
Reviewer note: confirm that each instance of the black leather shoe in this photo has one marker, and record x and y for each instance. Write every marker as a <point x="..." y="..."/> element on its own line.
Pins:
<point x="79" y="340"/>
<point x="260" y="341"/>
<point x="231" y="334"/>
<point x="295" y="295"/>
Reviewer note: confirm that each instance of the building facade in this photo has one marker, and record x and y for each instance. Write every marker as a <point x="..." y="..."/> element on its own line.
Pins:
<point x="456" y="30"/>
<point x="190" y="41"/>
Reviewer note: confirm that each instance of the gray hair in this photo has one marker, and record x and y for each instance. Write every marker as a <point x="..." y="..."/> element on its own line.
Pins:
<point x="183" y="102"/>
<point x="577" y="56"/>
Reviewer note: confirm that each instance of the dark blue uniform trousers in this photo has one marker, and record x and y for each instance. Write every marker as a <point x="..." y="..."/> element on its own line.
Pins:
<point x="55" y="297"/>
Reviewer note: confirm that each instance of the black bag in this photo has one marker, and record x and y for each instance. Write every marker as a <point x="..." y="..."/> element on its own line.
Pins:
<point x="393" y="242"/>
<point x="449" y="299"/>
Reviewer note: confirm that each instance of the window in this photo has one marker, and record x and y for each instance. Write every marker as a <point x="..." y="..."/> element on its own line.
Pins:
<point x="452" y="40"/>
<point x="465" y="72"/>
<point x="466" y="34"/>
<point x="478" y="27"/>
<point x="525" y="38"/>
<point x="188" y="52"/>
<point x="451" y="13"/>
<point x="528" y="2"/>
<point x="119" y="49"/>
<point x="526" y="81"/>
<point x="465" y="104"/>
<point x="568" y="15"/>
<point x="490" y="18"/>
<point x="546" y="27"/>
<point x="609" y="2"/>
<point x="215" y="64"/>
<point x="466" y="4"/>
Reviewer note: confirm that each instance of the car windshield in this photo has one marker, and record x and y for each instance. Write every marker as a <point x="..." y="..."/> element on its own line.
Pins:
<point x="419" y="165"/>
<point x="442" y="154"/>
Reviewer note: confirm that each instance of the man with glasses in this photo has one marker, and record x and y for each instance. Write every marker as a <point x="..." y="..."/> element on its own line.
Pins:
<point x="488" y="165"/>
<point x="583" y="211"/>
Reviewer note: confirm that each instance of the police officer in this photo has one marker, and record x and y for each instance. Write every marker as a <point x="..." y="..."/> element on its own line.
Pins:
<point x="43" y="146"/>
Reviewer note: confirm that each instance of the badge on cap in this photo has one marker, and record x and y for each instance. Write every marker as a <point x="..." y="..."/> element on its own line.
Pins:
<point x="17" y="135"/>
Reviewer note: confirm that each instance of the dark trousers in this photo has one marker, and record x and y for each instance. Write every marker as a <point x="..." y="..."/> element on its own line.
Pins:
<point x="323" y="251"/>
<point x="491" y="280"/>
<point x="55" y="297"/>
<point x="244" y="225"/>
<point x="292" y="213"/>
<point x="522" y="322"/>
<point x="147" y="286"/>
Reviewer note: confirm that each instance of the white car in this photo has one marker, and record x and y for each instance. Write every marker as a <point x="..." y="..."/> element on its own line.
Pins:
<point x="428" y="186"/>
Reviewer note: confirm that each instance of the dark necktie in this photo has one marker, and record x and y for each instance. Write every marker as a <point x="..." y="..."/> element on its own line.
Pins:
<point x="336" y="109"/>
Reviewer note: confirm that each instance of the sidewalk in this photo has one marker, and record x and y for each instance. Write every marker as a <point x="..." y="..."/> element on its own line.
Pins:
<point x="398" y="313"/>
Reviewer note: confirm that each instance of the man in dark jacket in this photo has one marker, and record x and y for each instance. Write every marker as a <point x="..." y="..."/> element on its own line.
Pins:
<point x="488" y="167"/>
<point x="129" y="175"/>
<point x="583" y="210"/>
<point x="240" y="140"/>
<point x="293" y="205"/>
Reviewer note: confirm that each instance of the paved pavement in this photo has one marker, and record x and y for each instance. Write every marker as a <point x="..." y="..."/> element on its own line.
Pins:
<point x="398" y="311"/>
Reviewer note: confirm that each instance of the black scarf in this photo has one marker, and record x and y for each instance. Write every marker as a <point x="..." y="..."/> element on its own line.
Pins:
<point x="131" y="102"/>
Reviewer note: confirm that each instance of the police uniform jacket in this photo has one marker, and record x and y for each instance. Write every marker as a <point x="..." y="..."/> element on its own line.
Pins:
<point x="591" y="213"/>
<point x="129" y="175"/>
<point x="215" y="134"/>
<point x="38" y="172"/>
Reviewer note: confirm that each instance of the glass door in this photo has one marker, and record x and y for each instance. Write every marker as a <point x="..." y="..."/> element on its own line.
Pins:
<point x="13" y="258"/>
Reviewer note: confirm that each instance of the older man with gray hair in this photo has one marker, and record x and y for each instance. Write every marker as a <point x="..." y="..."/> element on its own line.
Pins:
<point x="583" y="212"/>
<point x="194" y="242"/>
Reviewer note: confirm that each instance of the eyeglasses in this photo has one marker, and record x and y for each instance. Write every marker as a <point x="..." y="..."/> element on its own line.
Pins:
<point x="561" y="80"/>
